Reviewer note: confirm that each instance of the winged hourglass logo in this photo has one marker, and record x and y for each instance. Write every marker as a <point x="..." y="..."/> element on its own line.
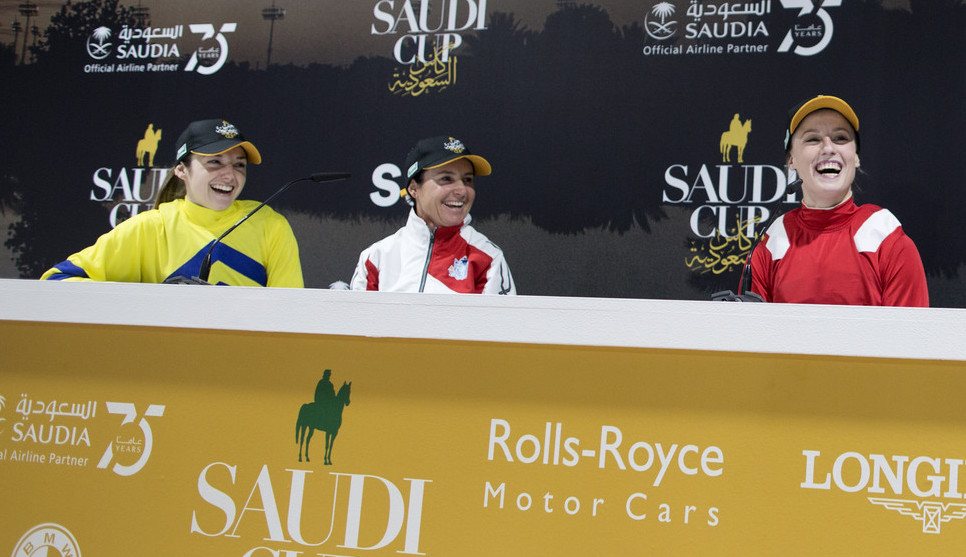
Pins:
<point x="931" y="513"/>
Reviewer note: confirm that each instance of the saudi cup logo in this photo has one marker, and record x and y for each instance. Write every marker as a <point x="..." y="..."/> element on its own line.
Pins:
<point x="98" y="46"/>
<point x="657" y="22"/>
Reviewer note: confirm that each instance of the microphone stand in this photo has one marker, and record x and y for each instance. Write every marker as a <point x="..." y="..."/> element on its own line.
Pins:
<point x="773" y="212"/>
<point x="205" y="268"/>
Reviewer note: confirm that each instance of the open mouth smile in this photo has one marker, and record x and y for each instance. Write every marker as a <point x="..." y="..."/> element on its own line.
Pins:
<point x="830" y="169"/>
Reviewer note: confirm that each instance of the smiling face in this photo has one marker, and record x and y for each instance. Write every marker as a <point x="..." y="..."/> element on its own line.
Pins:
<point x="823" y="153"/>
<point x="445" y="195"/>
<point x="216" y="181"/>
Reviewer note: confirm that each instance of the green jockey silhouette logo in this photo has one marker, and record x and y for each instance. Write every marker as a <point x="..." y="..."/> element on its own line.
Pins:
<point x="324" y="414"/>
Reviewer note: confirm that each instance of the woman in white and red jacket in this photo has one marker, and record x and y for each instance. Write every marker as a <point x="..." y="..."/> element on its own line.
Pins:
<point x="437" y="250"/>
<point x="831" y="250"/>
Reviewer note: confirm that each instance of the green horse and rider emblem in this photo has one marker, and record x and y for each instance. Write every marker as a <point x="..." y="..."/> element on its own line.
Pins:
<point x="323" y="414"/>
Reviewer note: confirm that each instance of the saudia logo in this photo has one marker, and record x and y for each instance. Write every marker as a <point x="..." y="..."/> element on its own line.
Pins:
<point x="135" y="45"/>
<point x="98" y="45"/>
<point x="52" y="432"/>
<point x="708" y="20"/>
<point x="130" y="190"/>
<point x="49" y="422"/>
<point x="728" y="198"/>
<point x="742" y="25"/>
<point x="877" y="474"/>
<point x="374" y="510"/>
<point x="657" y="23"/>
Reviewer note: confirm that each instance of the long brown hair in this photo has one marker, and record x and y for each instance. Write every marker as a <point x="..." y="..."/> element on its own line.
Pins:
<point x="173" y="187"/>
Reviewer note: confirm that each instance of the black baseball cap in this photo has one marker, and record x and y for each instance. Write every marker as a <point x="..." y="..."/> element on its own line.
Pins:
<point x="214" y="137"/>
<point x="433" y="152"/>
<point x="808" y="106"/>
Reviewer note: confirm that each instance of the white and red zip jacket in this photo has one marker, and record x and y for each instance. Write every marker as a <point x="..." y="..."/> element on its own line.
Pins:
<point x="449" y="259"/>
<point x="850" y="254"/>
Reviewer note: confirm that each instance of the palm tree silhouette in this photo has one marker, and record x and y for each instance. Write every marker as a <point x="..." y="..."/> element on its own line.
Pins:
<point x="663" y="10"/>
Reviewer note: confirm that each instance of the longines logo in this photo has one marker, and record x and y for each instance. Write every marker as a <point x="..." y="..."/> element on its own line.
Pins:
<point x="876" y="474"/>
<point x="930" y="513"/>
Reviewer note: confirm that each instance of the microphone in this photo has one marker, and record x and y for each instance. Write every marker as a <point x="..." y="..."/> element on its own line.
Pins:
<point x="205" y="268"/>
<point x="795" y="186"/>
<point x="773" y="213"/>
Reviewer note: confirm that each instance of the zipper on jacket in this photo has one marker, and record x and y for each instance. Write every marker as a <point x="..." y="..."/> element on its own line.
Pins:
<point x="429" y="257"/>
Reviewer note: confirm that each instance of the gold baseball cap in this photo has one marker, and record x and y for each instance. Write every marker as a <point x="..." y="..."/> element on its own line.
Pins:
<point x="797" y="114"/>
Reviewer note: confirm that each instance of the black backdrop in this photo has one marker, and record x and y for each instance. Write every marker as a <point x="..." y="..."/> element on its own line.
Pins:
<point x="584" y="119"/>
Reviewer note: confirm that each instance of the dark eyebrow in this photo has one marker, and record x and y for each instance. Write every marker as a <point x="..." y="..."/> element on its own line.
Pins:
<point x="834" y="130"/>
